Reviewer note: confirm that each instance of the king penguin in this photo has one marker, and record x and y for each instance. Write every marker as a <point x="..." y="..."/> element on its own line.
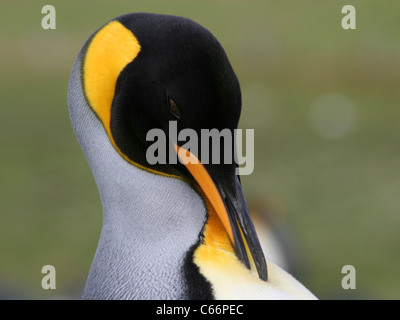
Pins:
<point x="171" y="229"/>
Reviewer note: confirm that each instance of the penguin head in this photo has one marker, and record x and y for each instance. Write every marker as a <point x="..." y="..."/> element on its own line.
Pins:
<point x="141" y="72"/>
<point x="174" y="70"/>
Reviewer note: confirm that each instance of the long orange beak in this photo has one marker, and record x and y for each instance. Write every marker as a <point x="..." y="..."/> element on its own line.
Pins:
<point x="232" y="212"/>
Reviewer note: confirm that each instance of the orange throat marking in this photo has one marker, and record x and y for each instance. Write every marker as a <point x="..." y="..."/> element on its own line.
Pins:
<point x="216" y="248"/>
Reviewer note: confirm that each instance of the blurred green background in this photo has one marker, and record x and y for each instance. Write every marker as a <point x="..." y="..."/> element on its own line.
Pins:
<point x="324" y="103"/>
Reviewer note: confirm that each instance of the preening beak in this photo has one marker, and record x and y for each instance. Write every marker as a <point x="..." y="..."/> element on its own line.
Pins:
<point x="231" y="209"/>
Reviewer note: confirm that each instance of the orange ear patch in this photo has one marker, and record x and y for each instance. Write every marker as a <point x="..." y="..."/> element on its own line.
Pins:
<point x="111" y="49"/>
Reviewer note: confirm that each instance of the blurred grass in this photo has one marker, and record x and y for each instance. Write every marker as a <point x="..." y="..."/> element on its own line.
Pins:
<point x="339" y="197"/>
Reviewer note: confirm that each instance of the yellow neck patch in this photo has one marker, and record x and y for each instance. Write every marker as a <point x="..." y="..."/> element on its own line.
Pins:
<point x="111" y="49"/>
<point x="216" y="250"/>
<point x="219" y="264"/>
<point x="216" y="257"/>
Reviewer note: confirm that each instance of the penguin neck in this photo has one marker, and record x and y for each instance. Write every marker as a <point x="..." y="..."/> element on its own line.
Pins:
<point x="150" y="223"/>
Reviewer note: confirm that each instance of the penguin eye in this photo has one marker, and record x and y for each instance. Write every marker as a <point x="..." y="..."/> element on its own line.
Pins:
<point x="174" y="108"/>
